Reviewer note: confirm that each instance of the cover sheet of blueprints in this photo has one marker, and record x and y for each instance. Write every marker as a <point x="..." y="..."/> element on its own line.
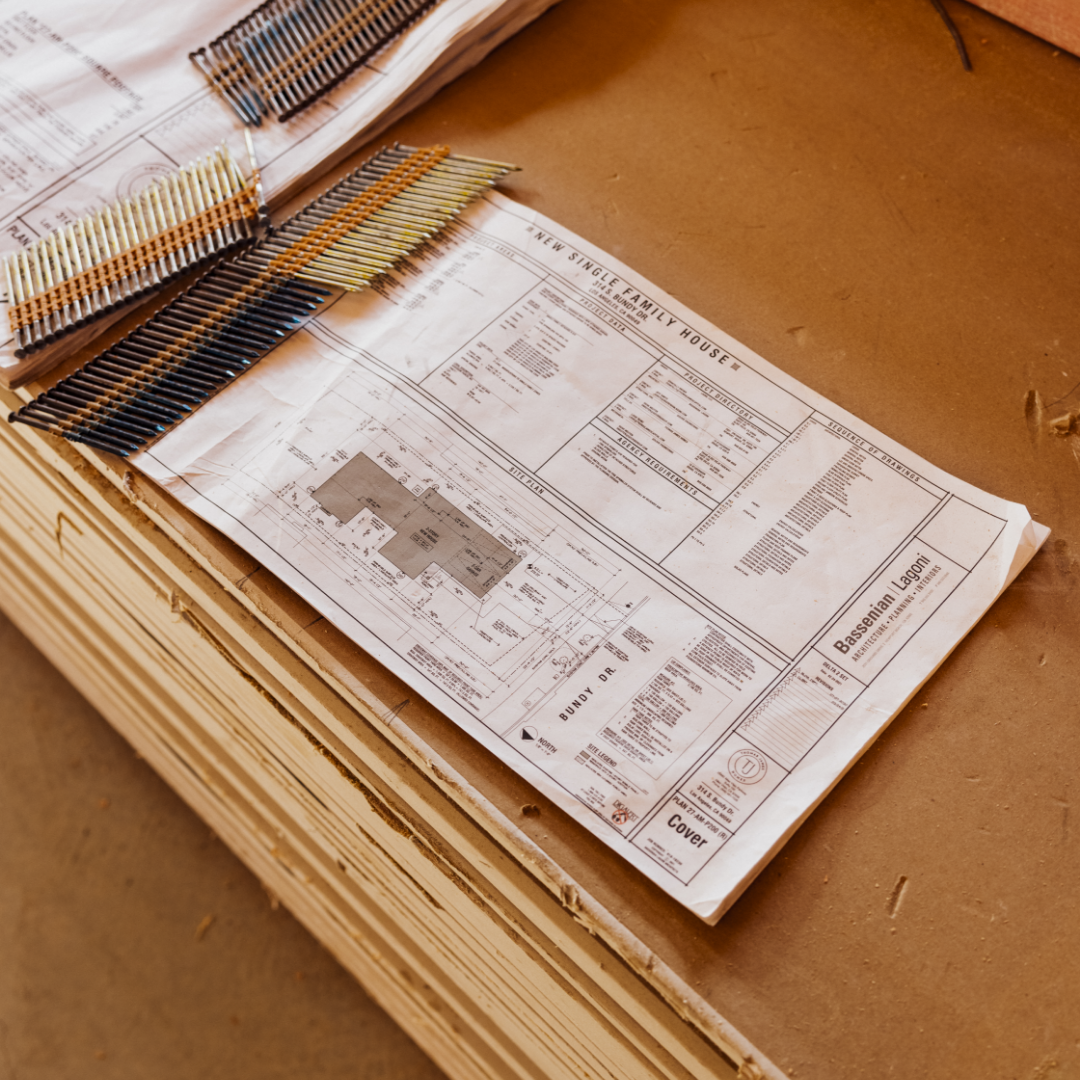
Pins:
<point x="674" y="588"/>
<point x="99" y="99"/>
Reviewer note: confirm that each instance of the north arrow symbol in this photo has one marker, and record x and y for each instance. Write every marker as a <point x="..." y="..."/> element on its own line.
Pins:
<point x="528" y="733"/>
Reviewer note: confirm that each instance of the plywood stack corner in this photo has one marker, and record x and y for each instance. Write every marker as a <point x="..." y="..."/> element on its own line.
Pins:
<point x="491" y="957"/>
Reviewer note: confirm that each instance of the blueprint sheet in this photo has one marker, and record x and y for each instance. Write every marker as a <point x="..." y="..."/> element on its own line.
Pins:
<point x="674" y="588"/>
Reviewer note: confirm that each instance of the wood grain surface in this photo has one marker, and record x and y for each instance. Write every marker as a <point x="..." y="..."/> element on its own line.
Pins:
<point x="1058" y="21"/>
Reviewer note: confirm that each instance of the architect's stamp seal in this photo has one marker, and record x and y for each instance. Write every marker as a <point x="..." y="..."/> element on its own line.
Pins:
<point x="747" y="766"/>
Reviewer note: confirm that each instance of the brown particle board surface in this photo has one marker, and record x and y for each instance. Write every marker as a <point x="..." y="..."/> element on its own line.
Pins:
<point x="827" y="184"/>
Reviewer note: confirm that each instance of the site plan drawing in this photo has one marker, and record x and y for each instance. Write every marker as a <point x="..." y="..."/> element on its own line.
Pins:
<point x="674" y="588"/>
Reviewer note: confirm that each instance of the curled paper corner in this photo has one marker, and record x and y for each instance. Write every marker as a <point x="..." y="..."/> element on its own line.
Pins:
<point x="1032" y="538"/>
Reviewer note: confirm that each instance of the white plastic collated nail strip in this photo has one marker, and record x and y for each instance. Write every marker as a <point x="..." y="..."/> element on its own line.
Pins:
<point x="122" y="252"/>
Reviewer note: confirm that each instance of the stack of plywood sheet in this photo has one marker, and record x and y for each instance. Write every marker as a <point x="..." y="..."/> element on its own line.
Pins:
<point x="306" y="763"/>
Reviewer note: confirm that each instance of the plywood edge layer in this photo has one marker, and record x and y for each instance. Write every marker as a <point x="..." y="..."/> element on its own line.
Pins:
<point x="274" y="819"/>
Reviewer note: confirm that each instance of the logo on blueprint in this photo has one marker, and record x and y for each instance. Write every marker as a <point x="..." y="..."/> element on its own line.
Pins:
<point x="747" y="766"/>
